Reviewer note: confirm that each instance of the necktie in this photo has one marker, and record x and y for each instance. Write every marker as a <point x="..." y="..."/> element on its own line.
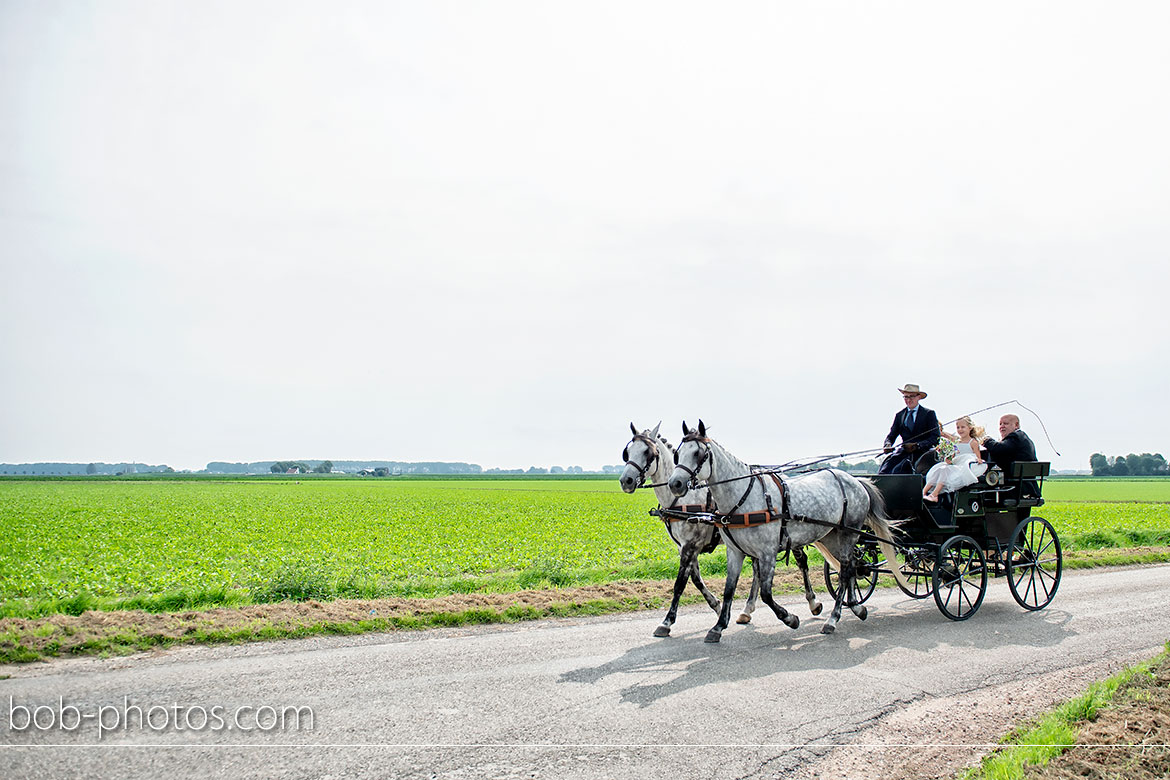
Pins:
<point x="910" y="418"/>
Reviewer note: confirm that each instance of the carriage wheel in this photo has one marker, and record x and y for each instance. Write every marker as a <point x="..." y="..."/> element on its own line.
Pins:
<point x="867" y="557"/>
<point x="960" y="578"/>
<point x="918" y="569"/>
<point x="1034" y="563"/>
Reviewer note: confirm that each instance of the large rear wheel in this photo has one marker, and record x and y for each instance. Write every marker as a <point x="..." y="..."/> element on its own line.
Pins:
<point x="867" y="559"/>
<point x="1034" y="564"/>
<point x="960" y="578"/>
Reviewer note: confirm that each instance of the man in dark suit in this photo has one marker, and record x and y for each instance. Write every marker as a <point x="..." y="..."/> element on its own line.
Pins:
<point x="918" y="428"/>
<point x="1015" y="446"/>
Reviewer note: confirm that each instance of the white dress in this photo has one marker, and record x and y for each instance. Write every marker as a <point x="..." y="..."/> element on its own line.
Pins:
<point x="964" y="471"/>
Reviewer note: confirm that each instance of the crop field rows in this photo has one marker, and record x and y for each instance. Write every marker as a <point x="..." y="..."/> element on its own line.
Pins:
<point x="158" y="545"/>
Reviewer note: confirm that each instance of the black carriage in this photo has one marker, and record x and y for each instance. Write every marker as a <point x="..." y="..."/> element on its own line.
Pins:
<point x="951" y="549"/>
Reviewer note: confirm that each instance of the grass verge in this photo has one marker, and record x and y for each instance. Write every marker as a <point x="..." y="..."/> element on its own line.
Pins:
<point x="15" y="647"/>
<point x="300" y="602"/>
<point x="302" y="582"/>
<point x="106" y="633"/>
<point x="1053" y="734"/>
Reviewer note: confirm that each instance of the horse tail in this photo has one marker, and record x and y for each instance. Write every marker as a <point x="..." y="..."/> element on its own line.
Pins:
<point x="832" y="559"/>
<point x="883" y="528"/>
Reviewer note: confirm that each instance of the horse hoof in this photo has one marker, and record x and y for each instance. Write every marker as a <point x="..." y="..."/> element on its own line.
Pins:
<point x="792" y="621"/>
<point x="662" y="631"/>
<point x="744" y="619"/>
<point x="815" y="608"/>
<point x="713" y="637"/>
<point x="862" y="613"/>
<point x="827" y="629"/>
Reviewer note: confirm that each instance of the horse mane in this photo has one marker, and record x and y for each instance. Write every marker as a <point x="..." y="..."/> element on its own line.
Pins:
<point x="734" y="458"/>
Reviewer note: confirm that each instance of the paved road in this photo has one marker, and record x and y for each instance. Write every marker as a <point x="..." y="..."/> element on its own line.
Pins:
<point x="599" y="697"/>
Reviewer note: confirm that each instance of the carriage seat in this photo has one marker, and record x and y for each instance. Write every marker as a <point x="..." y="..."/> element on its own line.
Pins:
<point x="1027" y="477"/>
<point x="1022" y="488"/>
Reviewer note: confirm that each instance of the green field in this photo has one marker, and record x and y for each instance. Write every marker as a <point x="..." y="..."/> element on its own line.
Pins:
<point x="176" y="544"/>
<point x="1148" y="489"/>
<point x="202" y="542"/>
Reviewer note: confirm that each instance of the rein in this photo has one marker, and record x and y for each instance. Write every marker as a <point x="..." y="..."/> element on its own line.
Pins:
<point x="805" y="463"/>
<point x="736" y="519"/>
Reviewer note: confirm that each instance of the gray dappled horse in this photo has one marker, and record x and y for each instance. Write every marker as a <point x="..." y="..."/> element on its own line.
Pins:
<point x="828" y="506"/>
<point x="650" y="455"/>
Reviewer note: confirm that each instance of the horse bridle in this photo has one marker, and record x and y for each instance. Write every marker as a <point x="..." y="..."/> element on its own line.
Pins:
<point x="642" y="470"/>
<point x="694" y="473"/>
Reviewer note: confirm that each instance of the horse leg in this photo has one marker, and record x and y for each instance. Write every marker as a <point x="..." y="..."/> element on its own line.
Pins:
<point x="686" y="554"/>
<point x="734" y="564"/>
<point x="858" y="609"/>
<point x="855" y="596"/>
<point x="847" y="574"/>
<point x="745" y="617"/>
<point x="697" y="578"/>
<point x="766" y="569"/>
<point x="814" y="606"/>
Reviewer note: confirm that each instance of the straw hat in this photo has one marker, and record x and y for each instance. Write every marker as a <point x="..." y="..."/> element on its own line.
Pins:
<point x="912" y="390"/>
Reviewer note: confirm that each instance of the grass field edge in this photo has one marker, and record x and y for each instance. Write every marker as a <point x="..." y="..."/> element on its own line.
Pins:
<point x="1055" y="732"/>
<point x="26" y="639"/>
<point x="22" y="646"/>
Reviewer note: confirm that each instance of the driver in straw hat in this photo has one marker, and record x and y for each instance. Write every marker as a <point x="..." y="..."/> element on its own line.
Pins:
<point x="918" y="429"/>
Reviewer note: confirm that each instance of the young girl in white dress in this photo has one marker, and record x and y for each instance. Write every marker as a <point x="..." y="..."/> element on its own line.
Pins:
<point x="959" y="470"/>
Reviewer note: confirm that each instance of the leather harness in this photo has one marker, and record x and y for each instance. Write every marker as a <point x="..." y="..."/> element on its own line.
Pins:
<point x="771" y="514"/>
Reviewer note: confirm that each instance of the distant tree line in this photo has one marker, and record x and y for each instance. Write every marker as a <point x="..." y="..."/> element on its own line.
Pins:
<point x="864" y="467"/>
<point x="335" y="466"/>
<point x="540" y="470"/>
<point x="1144" y="465"/>
<point x="77" y="469"/>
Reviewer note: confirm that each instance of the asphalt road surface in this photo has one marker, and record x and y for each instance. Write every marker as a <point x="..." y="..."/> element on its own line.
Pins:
<point x="906" y="693"/>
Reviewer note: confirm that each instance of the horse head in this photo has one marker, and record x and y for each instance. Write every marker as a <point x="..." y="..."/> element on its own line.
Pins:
<point x="640" y="456"/>
<point x="692" y="459"/>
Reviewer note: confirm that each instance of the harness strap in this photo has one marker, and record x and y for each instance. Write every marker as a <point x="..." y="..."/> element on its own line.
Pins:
<point x="708" y="518"/>
<point x="749" y="519"/>
<point x="844" y="497"/>
<point x="783" y="488"/>
<point x="667" y="520"/>
<point x="751" y="484"/>
<point x="675" y="513"/>
<point x="731" y="540"/>
<point x="785" y="515"/>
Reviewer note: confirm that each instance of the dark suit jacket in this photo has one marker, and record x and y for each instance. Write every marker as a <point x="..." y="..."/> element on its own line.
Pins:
<point x="1015" y="446"/>
<point x="924" y="433"/>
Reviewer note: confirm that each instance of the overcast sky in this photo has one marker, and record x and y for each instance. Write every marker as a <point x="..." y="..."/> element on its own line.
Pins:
<point x="499" y="232"/>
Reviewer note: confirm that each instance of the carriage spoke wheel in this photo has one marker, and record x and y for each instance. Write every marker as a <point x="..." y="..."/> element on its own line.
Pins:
<point x="867" y="558"/>
<point x="1034" y="563"/>
<point x="960" y="578"/>
<point x="918" y="568"/>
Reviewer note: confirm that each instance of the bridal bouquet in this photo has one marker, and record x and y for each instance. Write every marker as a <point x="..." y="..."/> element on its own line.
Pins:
<point x="946" y="448"/>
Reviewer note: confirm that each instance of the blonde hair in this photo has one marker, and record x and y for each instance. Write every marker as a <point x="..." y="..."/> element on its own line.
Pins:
<point x="977" y="432"/>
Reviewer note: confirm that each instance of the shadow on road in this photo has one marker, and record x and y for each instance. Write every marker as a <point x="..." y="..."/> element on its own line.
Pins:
<point x="766" y="647"/>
